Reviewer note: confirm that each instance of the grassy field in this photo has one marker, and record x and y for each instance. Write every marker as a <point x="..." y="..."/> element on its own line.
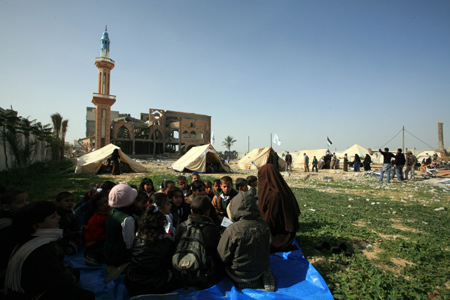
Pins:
<point x="397" y="234"/>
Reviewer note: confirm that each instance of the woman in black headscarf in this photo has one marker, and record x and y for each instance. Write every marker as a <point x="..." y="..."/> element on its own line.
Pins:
<point x="278" y="207"/>
<point x="367" y="162"/>
<point x="115" y="162"/>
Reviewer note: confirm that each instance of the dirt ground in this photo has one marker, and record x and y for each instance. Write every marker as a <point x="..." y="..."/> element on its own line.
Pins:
<point x="294" y="178"/>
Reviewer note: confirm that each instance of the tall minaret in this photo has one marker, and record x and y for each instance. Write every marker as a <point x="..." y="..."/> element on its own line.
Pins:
<point x="102" y="99"/>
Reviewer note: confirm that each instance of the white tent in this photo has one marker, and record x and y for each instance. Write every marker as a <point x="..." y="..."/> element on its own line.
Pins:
<point x="259" y="157"/>
<point x="90" y="163"/>
<point x="318" y="153"/>
<point x="357" y="149"/>
<point x="423" y="155"/>
<point x="197" y="159"/>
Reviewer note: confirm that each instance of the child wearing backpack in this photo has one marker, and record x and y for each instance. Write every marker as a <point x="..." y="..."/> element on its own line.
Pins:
<point x="195" y="261"/>
<point x="150" y="270"/>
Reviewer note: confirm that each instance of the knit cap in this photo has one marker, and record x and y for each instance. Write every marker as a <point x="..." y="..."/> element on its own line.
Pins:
<point x="121" y="195"/>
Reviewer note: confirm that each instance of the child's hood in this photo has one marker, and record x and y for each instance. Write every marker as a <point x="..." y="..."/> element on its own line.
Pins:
<point x="243" y="206"/>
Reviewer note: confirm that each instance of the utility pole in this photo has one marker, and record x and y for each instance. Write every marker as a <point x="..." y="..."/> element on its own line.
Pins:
<point x="403" y="140"/>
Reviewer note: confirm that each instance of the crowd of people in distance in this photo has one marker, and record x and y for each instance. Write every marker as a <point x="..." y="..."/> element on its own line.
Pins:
<point x="331" y="161"/>
<point x="393" y="164"/>
<point x="144" y="233"/>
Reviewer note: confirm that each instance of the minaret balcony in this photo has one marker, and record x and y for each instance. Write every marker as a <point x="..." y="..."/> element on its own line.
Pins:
<point x="104" y="96"/>
<point x="104" y="62"/>
<point x="105" y="59"/>
<point x="103" y="99"/>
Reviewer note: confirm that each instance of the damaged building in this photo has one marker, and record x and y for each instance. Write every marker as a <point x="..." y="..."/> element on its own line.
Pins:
<point x="155" y="133"/>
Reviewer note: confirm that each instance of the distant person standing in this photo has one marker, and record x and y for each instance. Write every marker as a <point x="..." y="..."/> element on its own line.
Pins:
<point x="115" y="162"/>
<point x="411" y="162"/>
<point x="288" y="160"/>
<point x="399" y="163"/>
<point x="356" y="163"/>
<point x="306" y="160"/>
<point x="387" y="156"/>
<point x="367" y="162"/>
<point x="321" y="163"/>
<point x="345" y="162"/>
<point x="333" y="161"/>
<point x="314" y="164"/>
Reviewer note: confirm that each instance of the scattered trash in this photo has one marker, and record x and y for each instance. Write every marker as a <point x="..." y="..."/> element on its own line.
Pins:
<point x="311" y="209"/>
<point x="328" y="178"/>
<point x="366" y="245"/>
<point x="440" y="208"/>
<point x="394" y="212"/>
<point x="426" y="223"/>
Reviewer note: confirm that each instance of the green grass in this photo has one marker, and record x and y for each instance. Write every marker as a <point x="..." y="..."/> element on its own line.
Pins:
<point x="408" y="256"/>
<point x="423" y="242"/>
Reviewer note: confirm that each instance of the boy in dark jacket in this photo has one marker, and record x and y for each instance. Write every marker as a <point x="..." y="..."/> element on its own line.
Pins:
<point x="245" y="245"/>
<point x="399" y="163"/>
<point x="200" y="209"/>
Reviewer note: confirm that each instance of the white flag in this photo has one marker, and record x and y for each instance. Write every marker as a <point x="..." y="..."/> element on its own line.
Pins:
<point x="276" y="140"/>
<point x="212" y="138"/>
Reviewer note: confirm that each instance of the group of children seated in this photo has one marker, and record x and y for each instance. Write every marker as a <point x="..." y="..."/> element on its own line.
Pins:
<point x="182" y="235"/>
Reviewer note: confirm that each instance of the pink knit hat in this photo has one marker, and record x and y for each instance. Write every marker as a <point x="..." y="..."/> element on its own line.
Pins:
<point x="121" y="195"/>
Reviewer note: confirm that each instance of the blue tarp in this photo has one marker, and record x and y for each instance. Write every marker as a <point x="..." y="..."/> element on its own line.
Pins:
<point x="295" y="278"/>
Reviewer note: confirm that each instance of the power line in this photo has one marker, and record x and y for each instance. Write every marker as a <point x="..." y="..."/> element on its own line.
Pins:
<point x="391" y="139"/>
<point x="410" y="134"/>
<point x="419" y="139"/>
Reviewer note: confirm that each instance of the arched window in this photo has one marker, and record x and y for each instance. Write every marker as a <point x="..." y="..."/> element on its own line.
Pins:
<point x="123" y="133"/>
<point x="158" y="135"/>
<point x="193" y="134"/>
<point x="200" y="135"/>
<point x="185" y="135"/>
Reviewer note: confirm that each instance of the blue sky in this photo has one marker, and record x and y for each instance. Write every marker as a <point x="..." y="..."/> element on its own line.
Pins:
<point x="356" y="71"/>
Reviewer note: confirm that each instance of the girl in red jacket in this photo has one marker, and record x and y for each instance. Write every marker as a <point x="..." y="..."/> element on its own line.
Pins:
<point x="95" y="231"/>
